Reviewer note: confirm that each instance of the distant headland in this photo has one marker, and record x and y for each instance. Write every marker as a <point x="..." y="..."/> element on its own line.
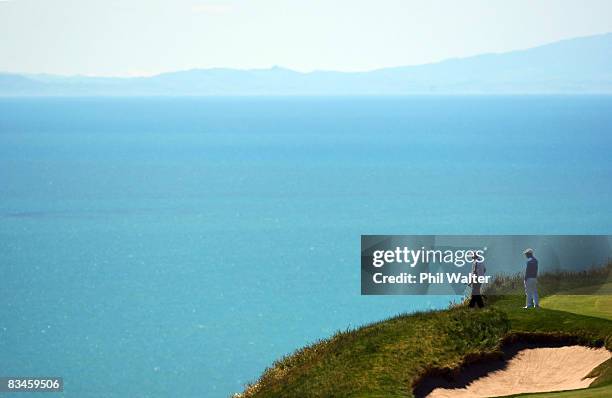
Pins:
<point x="575" y="66"/>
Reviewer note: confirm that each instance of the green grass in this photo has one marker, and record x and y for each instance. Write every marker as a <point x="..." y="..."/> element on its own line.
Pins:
<point x="603" y="288"/>
<point x="593" y="392"/>
<point x="382" y="360"/>
<point x="387" y="358"/>
<point x="598" y="306"/>
<point x="544" y="320"/>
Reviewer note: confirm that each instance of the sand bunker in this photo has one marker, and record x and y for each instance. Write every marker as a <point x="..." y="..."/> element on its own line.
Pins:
<point x="534" y="370"/>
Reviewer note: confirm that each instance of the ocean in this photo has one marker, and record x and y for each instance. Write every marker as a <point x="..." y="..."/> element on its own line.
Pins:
<point x="175" y="247"/>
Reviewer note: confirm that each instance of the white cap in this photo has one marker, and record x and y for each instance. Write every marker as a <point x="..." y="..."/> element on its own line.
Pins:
<point x="528" y="251"/>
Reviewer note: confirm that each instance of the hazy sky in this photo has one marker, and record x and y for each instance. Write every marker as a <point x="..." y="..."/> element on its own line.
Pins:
<point x="143" y="37"/>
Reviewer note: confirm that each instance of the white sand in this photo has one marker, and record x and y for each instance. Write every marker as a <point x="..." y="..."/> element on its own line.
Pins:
<point x="534" y="370"/>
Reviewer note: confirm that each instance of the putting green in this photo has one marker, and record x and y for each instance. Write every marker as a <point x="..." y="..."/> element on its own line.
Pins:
<point x="604" y="288"/>
<point x="599" y="306"/>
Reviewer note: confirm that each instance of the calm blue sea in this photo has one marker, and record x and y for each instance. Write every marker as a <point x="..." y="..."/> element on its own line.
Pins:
<point x="176" y="247"/>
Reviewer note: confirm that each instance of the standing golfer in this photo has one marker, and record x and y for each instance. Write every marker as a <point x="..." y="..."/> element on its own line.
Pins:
<point x="478" y="269"/>
<point x="531" y="280"/>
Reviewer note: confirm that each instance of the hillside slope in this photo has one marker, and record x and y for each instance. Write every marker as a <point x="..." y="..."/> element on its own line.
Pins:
<point x="392" y="357"/>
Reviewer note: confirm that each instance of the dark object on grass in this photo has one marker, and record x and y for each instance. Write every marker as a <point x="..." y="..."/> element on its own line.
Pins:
<point x="476" y="298"/>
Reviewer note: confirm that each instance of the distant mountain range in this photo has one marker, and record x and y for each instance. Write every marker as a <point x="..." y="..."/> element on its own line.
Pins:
<point x="576" y="66"/>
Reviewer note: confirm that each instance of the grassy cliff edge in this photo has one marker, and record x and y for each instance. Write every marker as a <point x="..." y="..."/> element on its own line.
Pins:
<point x="391" y="357"/>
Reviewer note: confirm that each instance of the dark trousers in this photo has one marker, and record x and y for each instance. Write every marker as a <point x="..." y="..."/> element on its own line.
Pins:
<point x="476" y="298"/>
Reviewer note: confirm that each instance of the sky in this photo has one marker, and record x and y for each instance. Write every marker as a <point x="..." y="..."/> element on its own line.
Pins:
<point x="147" y="37"/>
